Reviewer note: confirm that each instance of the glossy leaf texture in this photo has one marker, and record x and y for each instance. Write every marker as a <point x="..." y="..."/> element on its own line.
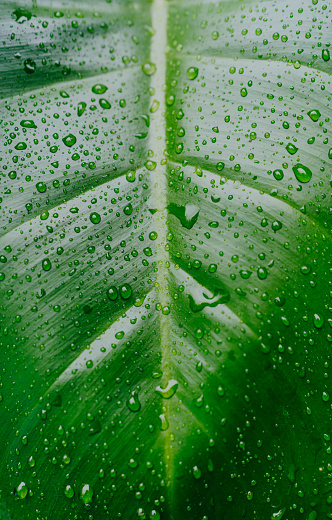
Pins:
<point x="165" y="260"/>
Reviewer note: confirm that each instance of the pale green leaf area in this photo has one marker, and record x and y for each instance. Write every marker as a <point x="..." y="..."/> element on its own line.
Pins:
<point x="165" y="260"/>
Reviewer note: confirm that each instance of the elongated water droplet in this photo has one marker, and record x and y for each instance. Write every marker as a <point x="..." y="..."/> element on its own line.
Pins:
<point x="112" y="293"/>
<point x="86" y="493"/>
<point x="28" y="123"/>
<point x="22" y="490"/>
<point x="46" y="264"/>
<point x="187" y="214"/>
<point x="106" y="105"/>
<point x="169" y="391"/>
<point x="318" y="321"/>
<point x="291" y="148"/>
<point x="326" y="54"/>
<point x="69" y="492"/>
<point x="81" y="108"/>
<point x="125" y="291"/>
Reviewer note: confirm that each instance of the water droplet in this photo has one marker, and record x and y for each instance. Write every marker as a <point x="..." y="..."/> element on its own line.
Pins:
<point x="262" y="273"/>
<point x="314" y="115"/>
<point x="149" y="68"/>
<point x="133" y="403"/>
<point x="279" y="514"/>
<point x="197" y="472"/>
<point x="318" y="321"/>
<point x="325" y="396"/>
<point x="325" y="54"/>
<point x="69" y="140"/>
<point x="187" y="214"/>
<point x="302" y="173"/>
<point x="169" y="391"/>
<point x="99" y="89"/>
<point x="41" y="187"/>
<point x="278" y="175"/>
<point x="22" y="490"/>
<point x="192" y="73"/>
<point x="130" y="176"/>
<point x="112" y="293"/>
<point x="29" y="66"/>
<point x="22" y="15"/>
<point x="46" y="264"/>
<point x="95" y="218"/>
<point x="291" y="148"/>
<point x="81" y="108"/>
<point x="69" y="492"/>
<point x="125" y="291"/>
<point x="21" y="146"/>
<point x="164" y="424"/>
<point x="86" y="494"/>
<point x="106" y="105"/>
<point x="28" y="123"/>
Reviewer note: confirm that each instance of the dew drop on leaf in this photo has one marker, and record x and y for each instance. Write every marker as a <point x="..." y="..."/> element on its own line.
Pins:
<point x="125" y="291"/>
<point x="28" y="123"/>
<point x="29" y="66"/>
<point x="95" y="218"/>
<point x="318" y="321"/>
<point x="106" y="105"/>
<point x="22" y="490"/>
<point x="314" y="115"/>
<point x="149" y="68"/>
<point x="192" y="73"/>
<point x="133" y="403"/>
<point x="302" y="173"/>
<point x="99" y="89"/>
<point x="69" y="140"/>
<point x="112" y="293"/>
<point x="81" y="108"/>
<point x="169" y="390"/>
<point x="86" y="494"/>
<point x="46" y="264"/>
<point x="69" y="492"/>
<point x="291" y="148"/>
<point x="326" y="54"/>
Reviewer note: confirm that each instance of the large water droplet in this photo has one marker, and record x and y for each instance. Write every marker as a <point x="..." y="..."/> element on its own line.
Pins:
<point x="187" y="214"/>
<point x="133" y="403"/>
<point x="192" y="73"/>
<point x="99" y="89"/>
<point x="169" y="391"/>
<point x="22" y="490"/>
<point x="302" y="173"/>
<point x="69" y="140"/>
<point x="314" y="115"/>
<point x="86" y="493"/>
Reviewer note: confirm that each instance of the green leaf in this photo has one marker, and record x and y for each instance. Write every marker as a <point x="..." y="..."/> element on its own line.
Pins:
<point x="165" y="272"/>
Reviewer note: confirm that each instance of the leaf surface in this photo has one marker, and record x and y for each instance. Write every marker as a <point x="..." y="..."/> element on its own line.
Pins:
<point x="165" y="260"/>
